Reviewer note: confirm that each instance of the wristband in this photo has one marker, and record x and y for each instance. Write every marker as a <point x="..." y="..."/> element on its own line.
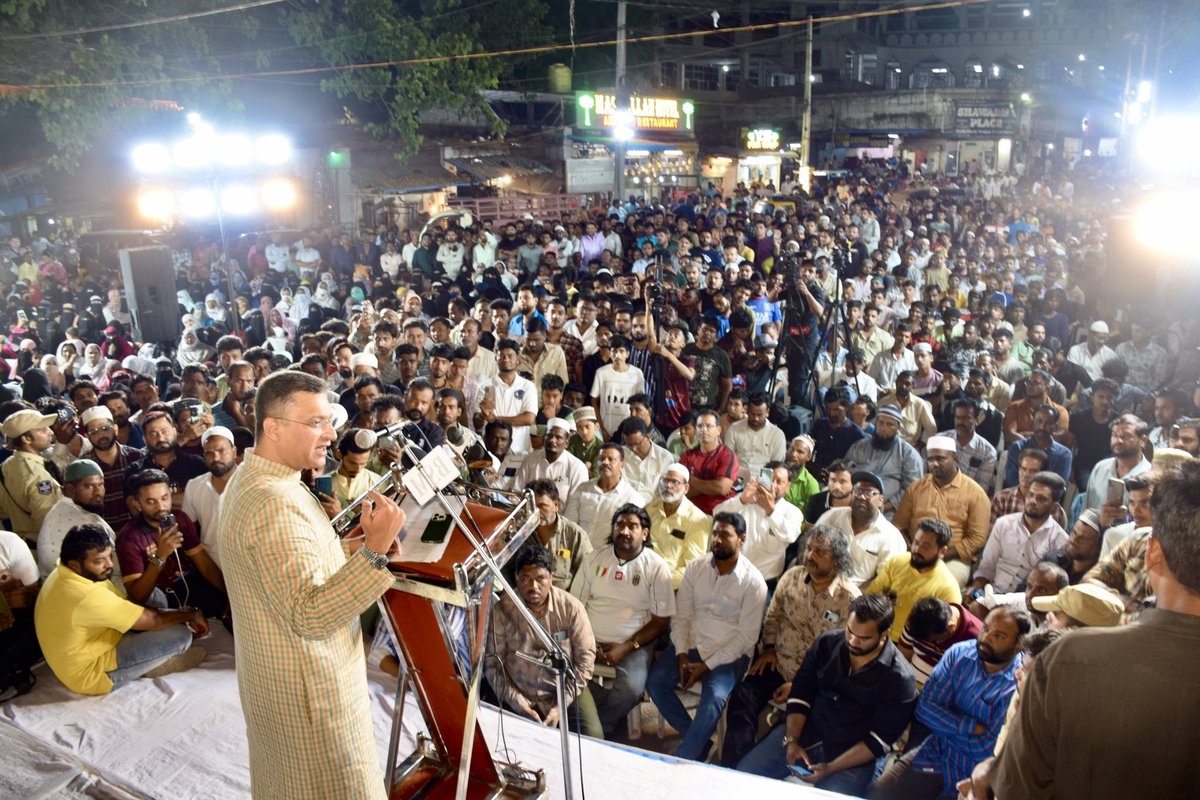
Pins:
<point x="156" y="561"/>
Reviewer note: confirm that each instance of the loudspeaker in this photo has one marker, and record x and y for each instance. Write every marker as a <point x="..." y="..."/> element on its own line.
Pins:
<point x="150" y="291"/>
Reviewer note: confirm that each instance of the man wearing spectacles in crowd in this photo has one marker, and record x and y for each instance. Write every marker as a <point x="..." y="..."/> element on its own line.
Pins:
<point x="873" y="539"/>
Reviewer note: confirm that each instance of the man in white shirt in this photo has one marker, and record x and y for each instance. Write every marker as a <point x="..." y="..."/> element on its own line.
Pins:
<point x="1020" y="540"/>
<point x="82" y="503"/>
<point x="482" y="364"/>
<point x="771" y="522"/>
<point x="645" y="462"/>
<point x="613" y="385"/>
<point x="755" y="440"/>
<point x="509" y="397"/>
<point x="553" y="463"/>
<point x="307" y="258"/>
<point x="626" y="588"/>
<point x="390" y="261"/>
<point x="583" y="326"/>
<point x="718" y="615"/>
<point x="591" y="506"/>
<point x="1093" y="354"/>
<point x="451" y="254"/>
<point x="276" y="254"/>
<point x="202" y="495"/>
<point x="873" y="539"/>
<point x="483" y="254"/>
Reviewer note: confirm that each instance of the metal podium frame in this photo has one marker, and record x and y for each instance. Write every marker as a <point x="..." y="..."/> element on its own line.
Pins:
<point x="454" y="759"/>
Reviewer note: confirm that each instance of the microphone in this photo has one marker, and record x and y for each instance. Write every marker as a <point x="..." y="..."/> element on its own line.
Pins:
<point x="454" y="434"/>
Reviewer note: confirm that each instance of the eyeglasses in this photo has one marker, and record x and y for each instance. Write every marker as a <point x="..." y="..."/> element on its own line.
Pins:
<point x="101" y="429"/>
<point x="858" y="491"/>
<point x="317" y="426"/>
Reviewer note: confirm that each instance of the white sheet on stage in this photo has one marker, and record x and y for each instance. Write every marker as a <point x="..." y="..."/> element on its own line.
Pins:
<point x="183" y="737"/>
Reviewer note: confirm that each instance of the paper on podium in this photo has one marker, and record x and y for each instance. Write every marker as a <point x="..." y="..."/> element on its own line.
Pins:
<point x="437" y="471"/>
<point x="418" y="516"/>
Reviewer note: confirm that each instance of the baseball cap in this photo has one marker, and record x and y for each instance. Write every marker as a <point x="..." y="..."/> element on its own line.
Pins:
<point x="25" y="420"/>
<point x="866" y="476"/>
<point x="1094" y="606"/>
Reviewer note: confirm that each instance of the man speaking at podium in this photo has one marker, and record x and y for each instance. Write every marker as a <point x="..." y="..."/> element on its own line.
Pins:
<point x="296" y="595"/>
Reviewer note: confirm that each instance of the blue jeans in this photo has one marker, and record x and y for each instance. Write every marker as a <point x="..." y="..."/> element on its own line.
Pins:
<point x="769" y="759"/>
<point x="614" y="702"/>
<point x="715" y="689"/>
<point x="138" y="652"/>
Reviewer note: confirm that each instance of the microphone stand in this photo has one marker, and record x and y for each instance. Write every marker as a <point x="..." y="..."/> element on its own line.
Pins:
<point x="556" y="658"/>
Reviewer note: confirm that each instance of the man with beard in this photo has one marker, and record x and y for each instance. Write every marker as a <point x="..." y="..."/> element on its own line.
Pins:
<point x="1058" y="457"/>
<point x="719" y="611"/>
<point x="714" y="371"/>
<point x="539" y="358"/>
<point x="129" y="434"/>
<point x="895" y="461"/>
<point x="591" y="506"/>
<point x="1018" y="418"/>
<point x="27" y="490"/>
<point x="1127" y="442"/>
<point x="922" y="572"/>
<point x="835" y="433"/>
<point x="82" y="503"/>
<point x="644" y="460"/>
<point x="916" y="414"/>
<point x="553" y="463"/>
<point x="231" y="412"/>
<point x="353" y="478"/>
<point x="872" y="539"/>
<point x="964" y="705"/>
<point x="113" y="458"/>
<point x="449" y="418"/>
<point x="678" y="528"/>
<point x="163" y="454"/>
<point x="950" y="496"/>
<point x="809" y="600"/>
<point x="756" y="440"/>
<point x="557" y="334"/>
<point x="163" y="562"/>
<point x="418" y="403"/>
<point x="522" y="684"/>
<point x="976" y="455"/>
<point x="850" y="700"/>
<point x="626" y="588"/>
<point x="1018" y="541"/>
<point x="836" y="494"/>
<point x="566" y="543"/>
<point x="202" y="495"/>
<point x="93" y="638"/>
<point x="509" y="398"/>
<point x="772" y="524"/>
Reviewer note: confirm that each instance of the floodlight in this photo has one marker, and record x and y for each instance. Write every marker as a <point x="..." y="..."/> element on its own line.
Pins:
<point x="197" y="203"/>
<point x="272" y="149"/>
<point x="151" y="157"/>
<point x="156" y="204"/>
<point x="239" y="200"/>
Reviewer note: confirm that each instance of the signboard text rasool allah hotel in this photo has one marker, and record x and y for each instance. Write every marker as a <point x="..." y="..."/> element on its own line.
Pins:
<point x="597" y="110"/>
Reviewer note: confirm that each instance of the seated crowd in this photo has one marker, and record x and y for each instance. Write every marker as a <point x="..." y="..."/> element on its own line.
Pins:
<point x="858" y="591"/>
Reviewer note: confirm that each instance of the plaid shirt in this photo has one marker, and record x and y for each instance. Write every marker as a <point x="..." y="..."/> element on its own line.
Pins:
<point x="302" y="677"/>
<point x="1124" y="570"/>
<point x="572" y="348"/>
<point x="1010" y="501"/>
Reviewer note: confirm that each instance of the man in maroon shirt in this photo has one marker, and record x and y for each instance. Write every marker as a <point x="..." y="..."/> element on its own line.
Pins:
<point x="712" y="465"/>
<point x="932" y="627"/>
<point x="163" y="563"/>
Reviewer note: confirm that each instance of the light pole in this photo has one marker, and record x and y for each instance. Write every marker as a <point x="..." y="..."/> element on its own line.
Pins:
<point x="188" y="180"/>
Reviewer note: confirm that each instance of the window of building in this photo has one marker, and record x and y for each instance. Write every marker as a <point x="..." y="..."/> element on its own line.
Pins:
<point x="668" y="75"/>
<point x="973" y="74"/>
<point x="892" y="74"/>
<point x="700" y="78"/>
<point x="932" y="75"/>
<point x="731" y="74"/>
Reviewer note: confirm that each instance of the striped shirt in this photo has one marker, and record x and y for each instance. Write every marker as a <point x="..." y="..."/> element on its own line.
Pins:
<point x="958" y="695"/>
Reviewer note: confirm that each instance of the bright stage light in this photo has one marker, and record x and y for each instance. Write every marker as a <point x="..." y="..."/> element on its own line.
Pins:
<point x="197" y="203"/>
<point x="193" y="152"/>
<point x="278" y="195"/>
<point x="1160" y="143"/>
<point x="272" y="149"/>
<point x="239" y="200"/>
<point x="234" y="150"/>
<point x="1160" y="220"/>
<point x="623" y="125"/>
<point x="151" y="157"/>
<point x="156" y="204"/>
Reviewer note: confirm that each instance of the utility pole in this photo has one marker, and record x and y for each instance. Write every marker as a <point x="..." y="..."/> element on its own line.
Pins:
<point x="622" y="97"/>
<point x="806" y="120"/>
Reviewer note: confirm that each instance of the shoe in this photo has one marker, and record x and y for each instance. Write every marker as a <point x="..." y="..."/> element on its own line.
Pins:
<point x="184" y="661"/>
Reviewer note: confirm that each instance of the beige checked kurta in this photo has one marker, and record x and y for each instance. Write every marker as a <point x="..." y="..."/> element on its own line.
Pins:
<point x="302" y="678"/>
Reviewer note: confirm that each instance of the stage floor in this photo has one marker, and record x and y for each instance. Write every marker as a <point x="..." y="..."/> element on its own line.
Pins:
<point x="182" y="737"/>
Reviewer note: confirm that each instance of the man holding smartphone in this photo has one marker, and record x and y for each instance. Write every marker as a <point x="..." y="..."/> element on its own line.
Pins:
<point x="771" y="522"/>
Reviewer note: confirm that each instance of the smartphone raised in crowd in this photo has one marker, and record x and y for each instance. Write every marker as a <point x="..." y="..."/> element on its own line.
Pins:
<point x="324" y="484"/>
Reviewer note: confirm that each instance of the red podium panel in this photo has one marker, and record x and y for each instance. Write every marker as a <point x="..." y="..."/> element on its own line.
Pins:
<point x="416" y="608"/>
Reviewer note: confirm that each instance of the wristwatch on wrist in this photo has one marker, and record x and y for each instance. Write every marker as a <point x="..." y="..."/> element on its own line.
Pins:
<point x="790" y="740"/>
<point x="377" y="560"/>
<point x="156" y="561"/>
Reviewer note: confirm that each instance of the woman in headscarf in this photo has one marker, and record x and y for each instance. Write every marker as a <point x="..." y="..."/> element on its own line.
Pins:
<point x="301" y="302"/>
<point x="116" y="346"/>
<point x="68" y="359"/>
<point x="214" y="310"/>
<point x="191" y="350"/>
<point x="113" y="310"/>
<point x="358" y="295"/>
<point x="324" y="299"/>
<point x="285" y="300"/>
<point x="94" y="367"/>
<point x="49" y="365"/>
<point x="36" y="385"/>
<point x="278" y="320"/>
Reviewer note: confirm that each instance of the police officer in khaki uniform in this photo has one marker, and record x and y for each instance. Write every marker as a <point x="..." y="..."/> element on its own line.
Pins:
<point x="28" y="490"/>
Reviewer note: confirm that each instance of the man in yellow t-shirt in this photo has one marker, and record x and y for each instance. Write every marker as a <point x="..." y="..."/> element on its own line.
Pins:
<point x="921" y="573"/>
<point x="93" y="638"/>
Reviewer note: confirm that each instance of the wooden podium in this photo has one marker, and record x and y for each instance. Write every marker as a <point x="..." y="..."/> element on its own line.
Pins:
<point x="428" y="608"/>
